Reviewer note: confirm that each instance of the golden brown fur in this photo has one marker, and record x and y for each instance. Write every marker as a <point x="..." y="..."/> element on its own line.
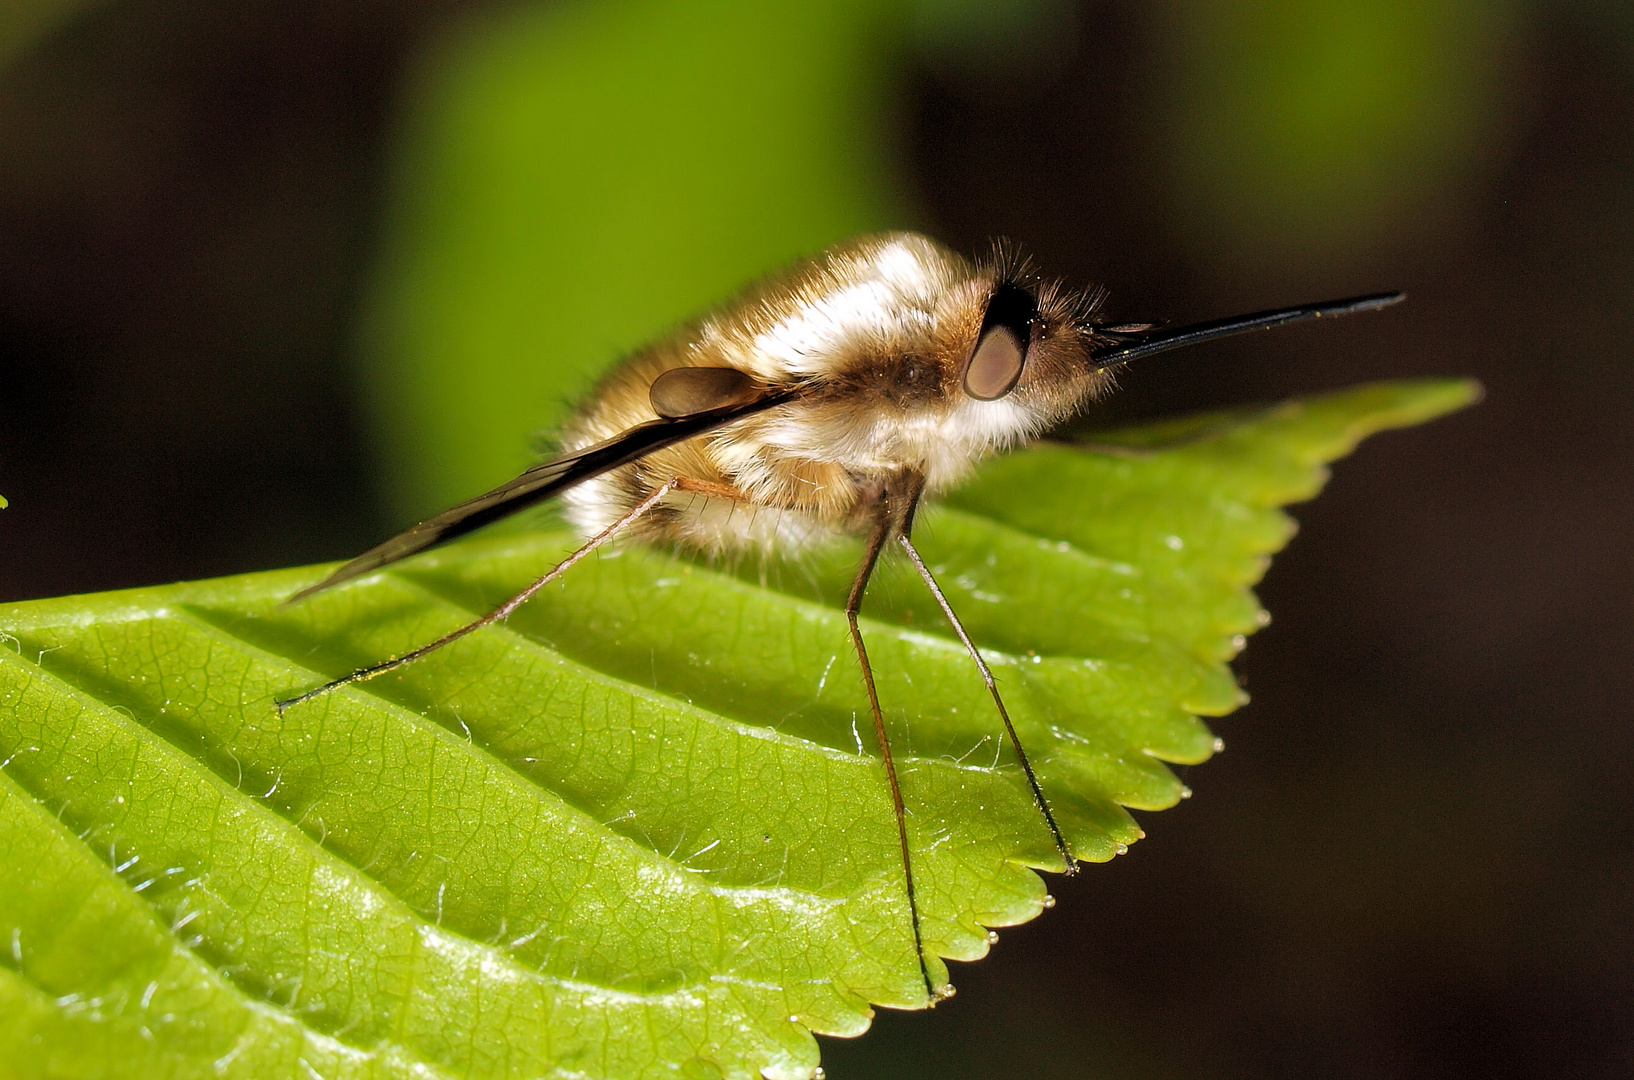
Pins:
<point x="876" y="334"/>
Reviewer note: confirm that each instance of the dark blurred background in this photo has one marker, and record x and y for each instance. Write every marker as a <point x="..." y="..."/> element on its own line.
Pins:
<point x="276" y="275"/>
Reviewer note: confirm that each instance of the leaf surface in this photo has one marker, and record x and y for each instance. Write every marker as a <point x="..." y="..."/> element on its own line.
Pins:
<point x="639" y="831"/>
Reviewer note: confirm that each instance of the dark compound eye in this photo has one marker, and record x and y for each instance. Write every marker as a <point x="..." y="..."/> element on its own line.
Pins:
<point x="1001" y="350"/>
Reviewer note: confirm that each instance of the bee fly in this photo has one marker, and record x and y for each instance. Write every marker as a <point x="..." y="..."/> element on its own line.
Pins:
<point x="838" y="394"/>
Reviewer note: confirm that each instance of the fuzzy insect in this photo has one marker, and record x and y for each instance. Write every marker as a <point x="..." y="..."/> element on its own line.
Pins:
<point x="839" y="394"/>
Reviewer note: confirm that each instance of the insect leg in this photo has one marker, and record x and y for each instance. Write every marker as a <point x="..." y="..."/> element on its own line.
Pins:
<point x="853" y="604"/>
<point x="502" y="611"/>
<point x="993" y="689"/>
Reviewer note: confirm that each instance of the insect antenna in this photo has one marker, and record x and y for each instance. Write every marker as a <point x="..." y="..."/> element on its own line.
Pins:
<point x="993" y="689"/>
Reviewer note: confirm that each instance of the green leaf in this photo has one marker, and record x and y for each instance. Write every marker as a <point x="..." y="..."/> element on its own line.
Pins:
<point x="636" y="832"/>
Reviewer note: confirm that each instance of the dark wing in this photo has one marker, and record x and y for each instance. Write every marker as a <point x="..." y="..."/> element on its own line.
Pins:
<point x="1128" y="343"/>
<point x="543" y="481"/>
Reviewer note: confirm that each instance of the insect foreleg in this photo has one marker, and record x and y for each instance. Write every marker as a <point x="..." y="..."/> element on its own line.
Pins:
<point x="993" y="689"/>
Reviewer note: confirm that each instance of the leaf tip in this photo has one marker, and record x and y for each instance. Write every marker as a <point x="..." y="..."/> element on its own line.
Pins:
<point x="1417" y="401"/>
<point x="1437" y="397"/>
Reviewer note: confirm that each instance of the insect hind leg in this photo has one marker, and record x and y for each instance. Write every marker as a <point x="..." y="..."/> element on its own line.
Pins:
<point x="505" y="610"/>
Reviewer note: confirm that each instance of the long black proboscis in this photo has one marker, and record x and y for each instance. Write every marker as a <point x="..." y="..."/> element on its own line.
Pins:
<point x="541" y="482"/>
<point x="1126" y="347"/>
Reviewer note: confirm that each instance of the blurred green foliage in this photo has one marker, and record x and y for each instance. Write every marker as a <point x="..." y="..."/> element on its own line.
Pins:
<point x="577" y="177"/>
<point x="23" y="22"/>
<point x="1313" y="127"/>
